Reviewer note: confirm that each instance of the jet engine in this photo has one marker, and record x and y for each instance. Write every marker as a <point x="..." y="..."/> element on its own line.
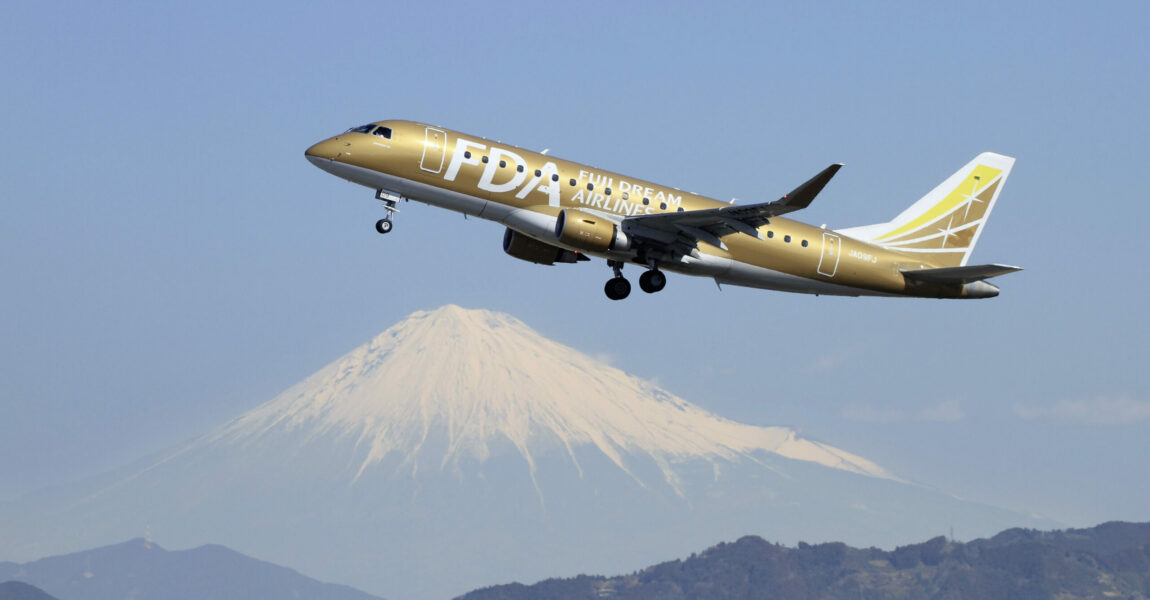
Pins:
<point x="532" y="250"/>
<point x="589" y="232"/>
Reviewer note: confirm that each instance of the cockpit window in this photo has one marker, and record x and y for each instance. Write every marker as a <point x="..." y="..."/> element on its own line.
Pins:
<point x="381" y="131"/>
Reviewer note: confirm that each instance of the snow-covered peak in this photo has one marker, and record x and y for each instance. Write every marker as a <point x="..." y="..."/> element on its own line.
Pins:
<point x="482" y="379"/>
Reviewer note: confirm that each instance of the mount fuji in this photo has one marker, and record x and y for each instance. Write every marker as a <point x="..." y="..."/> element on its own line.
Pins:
<point x="459" y="449"/>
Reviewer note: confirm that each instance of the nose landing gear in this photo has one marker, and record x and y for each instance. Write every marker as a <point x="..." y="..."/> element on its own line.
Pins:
<point x="389" y="200"/>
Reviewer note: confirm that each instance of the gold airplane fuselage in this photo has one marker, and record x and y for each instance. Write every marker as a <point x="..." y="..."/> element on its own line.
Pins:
<point x="527" y="191"/>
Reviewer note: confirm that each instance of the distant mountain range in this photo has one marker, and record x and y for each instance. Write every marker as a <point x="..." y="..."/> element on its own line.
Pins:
<point x="460" y="448"/>
<point x="1108" y="561"/>
<point x="18" y="590"/>
<point x="138" y="569"/>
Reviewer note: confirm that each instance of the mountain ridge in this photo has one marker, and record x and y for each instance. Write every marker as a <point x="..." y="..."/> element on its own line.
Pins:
<point x="1110" y="560"/>
<point x="140" y="568"/>
<point x="18" y="590"/>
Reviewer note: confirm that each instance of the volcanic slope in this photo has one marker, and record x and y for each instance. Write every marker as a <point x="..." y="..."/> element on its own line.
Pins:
<point x="460" y="448"/>
<point x="480" y="379"/>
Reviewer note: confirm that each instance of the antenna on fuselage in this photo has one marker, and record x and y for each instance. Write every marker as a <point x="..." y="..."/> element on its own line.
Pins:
<point x="545" y="151"/>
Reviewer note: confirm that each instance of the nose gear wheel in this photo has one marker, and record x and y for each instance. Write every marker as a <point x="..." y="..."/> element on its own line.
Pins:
<point x="389" y="200"/>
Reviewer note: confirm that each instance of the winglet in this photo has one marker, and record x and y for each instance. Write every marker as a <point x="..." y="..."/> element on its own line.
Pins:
<point x="802" y="196"/>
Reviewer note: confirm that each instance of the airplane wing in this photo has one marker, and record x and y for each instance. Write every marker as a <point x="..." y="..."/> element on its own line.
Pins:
<point x="684" y="230"/>
<point x="966" y="274"/>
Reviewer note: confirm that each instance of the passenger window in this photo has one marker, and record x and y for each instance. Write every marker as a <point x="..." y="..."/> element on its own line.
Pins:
<point x="572" y="183"/>
<point x="502" y="164"/>
<point x="467" y="154"/>
<point x="770" y="234"/>
<point x="484" y="160"/>
<point x="626" y="195"/>
<point x="804" y="243"/>
<point x="519" y="168"/>
<point x="681" y="209"/>
<point x="607" y="191"/>
<point x="555" y="177"/>
<point x="538" y="173"/>
<point x="787" y="239"/>
<point x="662" y="206"/>
<point x="590" y="186"/>
<point x="646" y="201"/>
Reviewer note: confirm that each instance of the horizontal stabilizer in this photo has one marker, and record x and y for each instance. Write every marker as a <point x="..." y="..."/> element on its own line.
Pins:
<point x="958" y="274"/>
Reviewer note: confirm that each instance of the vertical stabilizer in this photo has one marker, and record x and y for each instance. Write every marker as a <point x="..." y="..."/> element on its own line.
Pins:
<point x="944" y="225"/>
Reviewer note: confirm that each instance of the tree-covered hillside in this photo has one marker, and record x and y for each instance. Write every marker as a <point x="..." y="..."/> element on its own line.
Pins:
<point x="1108" y="561"/>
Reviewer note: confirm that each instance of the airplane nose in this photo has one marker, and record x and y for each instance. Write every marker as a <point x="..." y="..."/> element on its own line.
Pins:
<point x="329" y="149"/>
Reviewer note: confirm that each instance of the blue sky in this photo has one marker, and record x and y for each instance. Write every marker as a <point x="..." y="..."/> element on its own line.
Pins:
<point x="168" y="258"/>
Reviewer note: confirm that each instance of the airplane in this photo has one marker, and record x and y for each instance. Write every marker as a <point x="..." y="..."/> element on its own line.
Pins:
<point x="559" y="211"/>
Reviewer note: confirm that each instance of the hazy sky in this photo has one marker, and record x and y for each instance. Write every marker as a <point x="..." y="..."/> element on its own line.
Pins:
<point x="169" y="259"/>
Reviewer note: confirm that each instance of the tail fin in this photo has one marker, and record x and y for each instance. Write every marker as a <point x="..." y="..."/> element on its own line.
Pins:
<point x="944" y="225"/>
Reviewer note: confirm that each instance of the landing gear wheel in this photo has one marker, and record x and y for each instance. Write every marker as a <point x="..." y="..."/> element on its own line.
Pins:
<point x="389" y="199"/>
<point x="617" y="288"/>
<point x="652" y="281"/>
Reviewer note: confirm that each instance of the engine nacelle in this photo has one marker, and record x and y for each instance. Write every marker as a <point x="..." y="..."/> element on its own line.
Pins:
<point x="589" y="232"/>
<point x="532" y="250"/>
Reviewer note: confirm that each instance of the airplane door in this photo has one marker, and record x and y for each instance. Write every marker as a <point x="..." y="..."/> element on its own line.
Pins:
<point x="829" y="260"/>
<point x="433" y="150"/>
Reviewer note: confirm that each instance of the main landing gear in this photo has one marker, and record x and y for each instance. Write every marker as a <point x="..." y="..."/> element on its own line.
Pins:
<point x="652" y="281"/>
<point x="389" y="200"/>
<point x="618" y="287"/>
